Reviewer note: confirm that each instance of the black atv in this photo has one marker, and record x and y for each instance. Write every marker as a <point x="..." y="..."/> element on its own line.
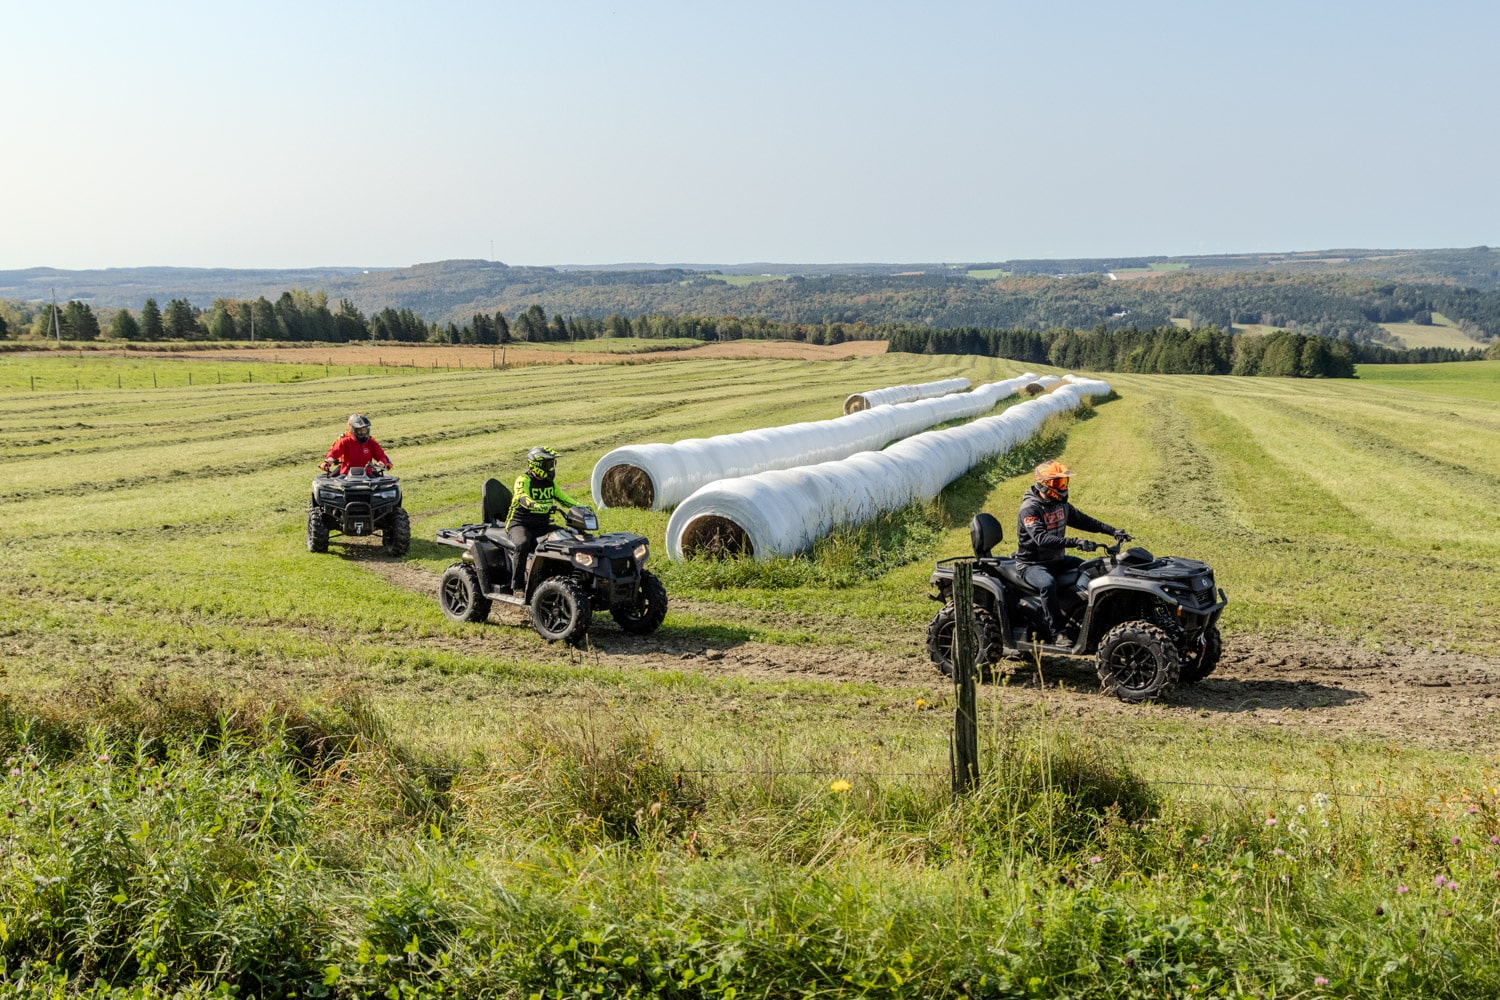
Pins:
<point x="360" y="502"/>
<point x="570" y="573"/>
<point x="1153" y="622"/>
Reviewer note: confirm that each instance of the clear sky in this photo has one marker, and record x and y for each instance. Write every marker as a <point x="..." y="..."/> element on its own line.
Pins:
<point x="278" y="134"/>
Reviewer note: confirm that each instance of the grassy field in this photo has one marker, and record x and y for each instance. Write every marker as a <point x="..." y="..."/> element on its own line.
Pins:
<point x="739" y="280"/>
<point x="1441" y="332"/>
<point x="233" y="764"/>
<point x="1159" y="267"/>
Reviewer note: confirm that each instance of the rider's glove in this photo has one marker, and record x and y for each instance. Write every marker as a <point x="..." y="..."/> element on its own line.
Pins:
<point x="1085" y="544"/>
<point x="1121" y="535"/>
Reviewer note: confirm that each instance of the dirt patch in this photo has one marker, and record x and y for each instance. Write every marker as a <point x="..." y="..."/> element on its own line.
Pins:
<point x="418" y="357"/>
<point x="1419" y="697"/>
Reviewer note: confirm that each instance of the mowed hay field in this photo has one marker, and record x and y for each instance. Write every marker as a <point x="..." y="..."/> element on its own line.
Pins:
<point x="233" y="764"/>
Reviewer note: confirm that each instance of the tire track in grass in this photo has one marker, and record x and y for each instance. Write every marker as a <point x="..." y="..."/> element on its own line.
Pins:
<point x="1188" y="488"/>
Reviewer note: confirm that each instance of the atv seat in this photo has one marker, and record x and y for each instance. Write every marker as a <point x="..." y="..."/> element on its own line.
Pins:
<point x="496" y="533"/>
<point x="494" y="502"/>
<point x="1011" y="573"/>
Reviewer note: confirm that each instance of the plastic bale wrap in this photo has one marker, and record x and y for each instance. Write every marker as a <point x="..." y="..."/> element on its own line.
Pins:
<point x="657" y="476"/>
<point x="903" y="394"/>
<point x="783" y="512"/>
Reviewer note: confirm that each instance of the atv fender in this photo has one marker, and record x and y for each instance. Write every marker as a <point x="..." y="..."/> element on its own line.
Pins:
<point x="1101" y="617"/>
<point x="544" y="566"/>
<point x="487" y="557"/>
<point x="987" y="594"/>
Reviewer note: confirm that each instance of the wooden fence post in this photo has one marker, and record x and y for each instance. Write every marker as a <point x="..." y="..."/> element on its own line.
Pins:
<point x="965" y="753"/>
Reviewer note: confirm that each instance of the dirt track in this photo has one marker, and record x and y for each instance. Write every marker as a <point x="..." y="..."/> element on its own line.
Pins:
<point x="1417" y="696"/>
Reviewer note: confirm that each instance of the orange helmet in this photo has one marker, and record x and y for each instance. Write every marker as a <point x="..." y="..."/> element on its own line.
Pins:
<point x="1053" y="478"/>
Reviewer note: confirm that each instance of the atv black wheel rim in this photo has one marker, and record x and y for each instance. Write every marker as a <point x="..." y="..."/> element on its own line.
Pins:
<point x="1133" y="665"/>
<point x="553" y="612"/>
<point x="456" y="595"/>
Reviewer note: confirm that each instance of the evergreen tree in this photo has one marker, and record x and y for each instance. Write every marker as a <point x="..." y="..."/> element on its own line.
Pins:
<point x="263" y="322"/>
<point x="151" y="328"/>
<point x="220" y="322"/>
<point x="349" y="323"/>
<point x="79" y="321"/>
<point x="180" y="320"/>
<point x="124" y="326"/>
<point x="289" y="318"/>
<point x="502" y="329"/>
<point x="4" y="328"/>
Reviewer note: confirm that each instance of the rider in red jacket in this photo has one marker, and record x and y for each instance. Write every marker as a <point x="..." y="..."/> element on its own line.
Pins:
<point x="356" y="448"/>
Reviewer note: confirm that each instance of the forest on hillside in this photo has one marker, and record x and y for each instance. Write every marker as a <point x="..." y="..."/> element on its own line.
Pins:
<point x="1341" y="297"/>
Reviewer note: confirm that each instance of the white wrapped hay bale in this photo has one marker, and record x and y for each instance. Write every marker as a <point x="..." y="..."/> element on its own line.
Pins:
<point x="903" y="394"/>
<point x="782" y="512"/>
<point x="657" y="476"/>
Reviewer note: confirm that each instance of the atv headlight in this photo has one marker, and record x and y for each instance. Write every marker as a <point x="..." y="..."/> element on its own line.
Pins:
<point x="642" y="552"/>
<point x="390" y="494"/>
<point x="329" y="494"/>
<point x="584" y="559"/>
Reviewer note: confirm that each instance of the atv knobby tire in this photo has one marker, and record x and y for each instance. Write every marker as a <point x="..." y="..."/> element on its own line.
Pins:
<point x="560" y="610"/>
<point x="459" y="595"/>
<point x="317" y="530"/>
<point x="1200" y="662"/>
<point x="650" y="609"/>
<point x="988" y="644"/>
<point x="1137" y="662"/>
<point x="396" y="536"/>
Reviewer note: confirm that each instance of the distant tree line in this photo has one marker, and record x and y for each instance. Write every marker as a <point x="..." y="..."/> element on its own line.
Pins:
<point x="1171" y="350"/>
<point x="305" y="316"/>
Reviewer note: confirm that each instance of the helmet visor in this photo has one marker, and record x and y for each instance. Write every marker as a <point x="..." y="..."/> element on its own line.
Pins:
<point x="1059" y="485"/>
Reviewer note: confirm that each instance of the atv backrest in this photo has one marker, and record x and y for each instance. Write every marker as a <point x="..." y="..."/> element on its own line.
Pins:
<point x="494" y="503"/>
<point x="985" y="533"/>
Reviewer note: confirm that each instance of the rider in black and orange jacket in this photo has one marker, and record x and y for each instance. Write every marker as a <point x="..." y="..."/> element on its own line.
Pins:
<point x="1041" y="528"/>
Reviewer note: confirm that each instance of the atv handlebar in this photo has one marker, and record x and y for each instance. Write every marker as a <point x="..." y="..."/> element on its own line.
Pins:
<point x="331" y="467"/>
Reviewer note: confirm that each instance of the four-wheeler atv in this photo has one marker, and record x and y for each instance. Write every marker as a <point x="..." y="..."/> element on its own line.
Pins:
<point x="1151" y="621"/>
<point x="360" y="502"/>
<point x="570" y="574"/>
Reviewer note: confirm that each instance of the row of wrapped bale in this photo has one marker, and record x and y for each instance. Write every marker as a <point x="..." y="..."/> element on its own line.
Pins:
<point x="893" y="394"/>
<point x="658" y="476"/>
<point x="782" y="512"/>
